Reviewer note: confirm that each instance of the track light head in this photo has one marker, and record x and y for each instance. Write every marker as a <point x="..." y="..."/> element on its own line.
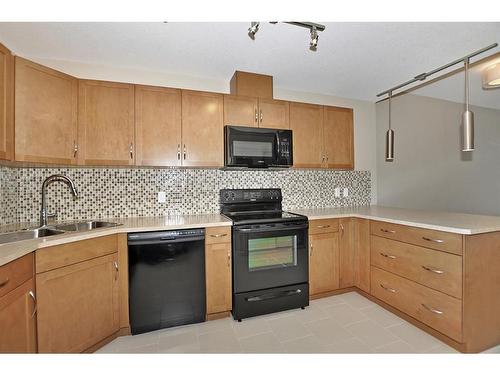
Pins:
<point x="313" y="44"/>
<point x="252" y="30"/>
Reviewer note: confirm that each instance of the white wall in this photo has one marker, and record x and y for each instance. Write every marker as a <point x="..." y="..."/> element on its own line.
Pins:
<point x="364" y="111"/>
<point x="429" y="170"/>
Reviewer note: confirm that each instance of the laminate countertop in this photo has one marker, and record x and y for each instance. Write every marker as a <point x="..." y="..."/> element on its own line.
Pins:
<point x="13" y="250"/>
<point x="466" y="224"/>
<point x="437" y="220"/>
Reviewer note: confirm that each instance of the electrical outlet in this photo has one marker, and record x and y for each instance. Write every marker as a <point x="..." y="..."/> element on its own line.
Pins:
<point x="336" y="192"/>
<point x="346" y="192"/>
<point x="162" y="197"/>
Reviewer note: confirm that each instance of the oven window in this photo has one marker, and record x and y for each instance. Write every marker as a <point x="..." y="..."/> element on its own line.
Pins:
<point x="253" y="149"/>
<point x="272" y="252"/>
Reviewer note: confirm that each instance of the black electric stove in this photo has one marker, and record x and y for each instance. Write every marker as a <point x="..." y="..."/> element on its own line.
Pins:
<point x="270" y="252"/>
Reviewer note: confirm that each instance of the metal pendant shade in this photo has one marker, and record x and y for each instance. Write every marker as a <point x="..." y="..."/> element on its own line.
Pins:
<point x="467" y="117"/>
<point x="389" y="137"/>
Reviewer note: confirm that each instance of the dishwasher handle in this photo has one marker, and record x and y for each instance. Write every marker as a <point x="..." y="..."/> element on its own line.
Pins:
<point x="150" y="238"/>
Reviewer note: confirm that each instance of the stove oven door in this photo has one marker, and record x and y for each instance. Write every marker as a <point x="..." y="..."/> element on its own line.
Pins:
<point x="269" y="255"/>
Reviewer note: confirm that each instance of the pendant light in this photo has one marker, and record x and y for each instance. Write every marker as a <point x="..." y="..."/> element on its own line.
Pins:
<point x="389" y="137"/>
<point x="468" y="116"/>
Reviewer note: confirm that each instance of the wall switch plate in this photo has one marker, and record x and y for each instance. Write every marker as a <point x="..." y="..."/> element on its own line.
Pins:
<point x="162" y="197"/>
<point x="346" y="192"/>
<point x="336" y="192"/>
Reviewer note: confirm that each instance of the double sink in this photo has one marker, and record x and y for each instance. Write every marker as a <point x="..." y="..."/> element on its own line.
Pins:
<point x="52" y="230"/>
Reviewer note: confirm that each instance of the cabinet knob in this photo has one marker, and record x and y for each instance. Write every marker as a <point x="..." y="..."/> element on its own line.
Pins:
<point x="432" y="240"/>
<point x="392" y="290"/>
<point x="4" y="282"/>
<point x="131" y="150"/>
<point x="433" y="270"/>
<point x="184" y="152"/>
<point x="75" y="149"/>
<point x="261" y="116"/>
<point x="178" y="151"/>
<point x="432" y="310"/>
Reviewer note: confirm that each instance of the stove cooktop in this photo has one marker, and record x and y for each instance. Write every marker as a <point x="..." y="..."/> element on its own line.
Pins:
<point x="249" y="217"/>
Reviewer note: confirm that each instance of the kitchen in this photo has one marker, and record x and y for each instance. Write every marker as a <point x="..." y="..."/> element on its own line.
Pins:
<point x="146" y="210"/>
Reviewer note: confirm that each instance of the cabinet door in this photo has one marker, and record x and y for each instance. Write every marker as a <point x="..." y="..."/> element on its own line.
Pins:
<point x="218" y="277"/>
<point x="202" y="129"/>
<point x="6" y="103"/>
<point x="306" y="122"/>
<point x="18" y="320"/>
<point x="274" y="114"/>
<point x="46" y="114"/>
<point x="338" y="137"/>
<point x="323" y="262"/>
<point x="78" y="305"/>
<point x="106" y="123"/>
<point x="362" y="254"/>
<point x="157" y="126"/>
<point x="240" y="111"/>
<point x="346" y="252"/>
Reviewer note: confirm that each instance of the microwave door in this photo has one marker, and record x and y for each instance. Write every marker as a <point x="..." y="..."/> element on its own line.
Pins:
<point x="249" y="148"/>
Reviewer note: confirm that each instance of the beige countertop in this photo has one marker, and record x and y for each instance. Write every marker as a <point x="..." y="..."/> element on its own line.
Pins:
<point x="444" y="221"/>
<point x="436" y="220"/>
<point x="14" y="250"/>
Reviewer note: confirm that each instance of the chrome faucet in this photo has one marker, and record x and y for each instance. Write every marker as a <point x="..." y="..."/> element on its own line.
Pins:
<point x="46" y="183"/>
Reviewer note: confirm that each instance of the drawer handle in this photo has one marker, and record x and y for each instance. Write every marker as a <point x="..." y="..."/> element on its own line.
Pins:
<point x="432" y="240"/>
<point x="218" y="235"/>
<point x="324" y="226"/>
<point x="433" y="270"/>
<point x="387" y="230"/>
<point x="388" y="256"/>
<point x="32" y="295"/>
<point x="432" y="310"/>
<point x="5" y="282"/>
<point x="388" y="289"/>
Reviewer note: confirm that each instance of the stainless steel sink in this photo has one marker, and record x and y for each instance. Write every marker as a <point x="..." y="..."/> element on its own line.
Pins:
<point x="83" y="226"/>
<point x="29" y="234"/>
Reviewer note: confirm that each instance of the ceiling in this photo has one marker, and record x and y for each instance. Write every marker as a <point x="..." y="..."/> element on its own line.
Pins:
<point x="354" y="60"/>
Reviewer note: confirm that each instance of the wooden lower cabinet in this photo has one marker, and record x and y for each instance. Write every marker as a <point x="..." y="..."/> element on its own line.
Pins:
<point x="218" y="270"/>
<point x="323" y="262"/>
<point x="346" y="252"/>
<point x="78" y="305"/>
<point x="362" y="254"/>
<point x="18" y="320"/>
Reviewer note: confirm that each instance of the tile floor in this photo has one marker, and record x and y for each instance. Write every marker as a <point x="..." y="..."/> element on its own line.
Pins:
<point x="347" y="323"/>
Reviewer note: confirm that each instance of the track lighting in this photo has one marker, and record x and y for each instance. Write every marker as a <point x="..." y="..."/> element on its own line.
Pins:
<point x="313" y="44"/>
<point x="313" y="27"/>
<point x="252" y="30"/>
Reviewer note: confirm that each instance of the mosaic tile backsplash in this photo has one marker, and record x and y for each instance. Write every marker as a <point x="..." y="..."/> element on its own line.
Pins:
<point x="121" y="192"/>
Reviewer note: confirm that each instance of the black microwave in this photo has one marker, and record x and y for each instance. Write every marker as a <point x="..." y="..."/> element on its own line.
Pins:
<point x="257" y="147"/>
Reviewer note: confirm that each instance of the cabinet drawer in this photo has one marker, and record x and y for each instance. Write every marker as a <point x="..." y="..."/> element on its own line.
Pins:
<point x="15" y="273"/>
<point x="218" y="235"/>
<point x="63" y="255"/>
<point x="436" y="309"/>
<point x="435" y="269"/>
<point x="323" y="226"/>
<point x="445" y="241"/>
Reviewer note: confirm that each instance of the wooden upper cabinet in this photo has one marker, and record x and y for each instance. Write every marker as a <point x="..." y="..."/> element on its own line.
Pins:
<point x="106" y="123"/>
<point x="18" y="320"/>
<point x="6" y="104"/>
<point x="46" y="119"/>
<point x="306" y="122"/>
<point x="251" y="84"/>
<point x="338" y="135"/>
<point x="202" y="129"/>
<point x="274" y="114"/>
<point x="157" y="126"/>
<point x="78" y="305"/>
<point x="241" y="111"/>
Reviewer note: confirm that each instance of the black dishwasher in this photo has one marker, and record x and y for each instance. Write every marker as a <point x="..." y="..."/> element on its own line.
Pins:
<point x="166" y="279"/>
